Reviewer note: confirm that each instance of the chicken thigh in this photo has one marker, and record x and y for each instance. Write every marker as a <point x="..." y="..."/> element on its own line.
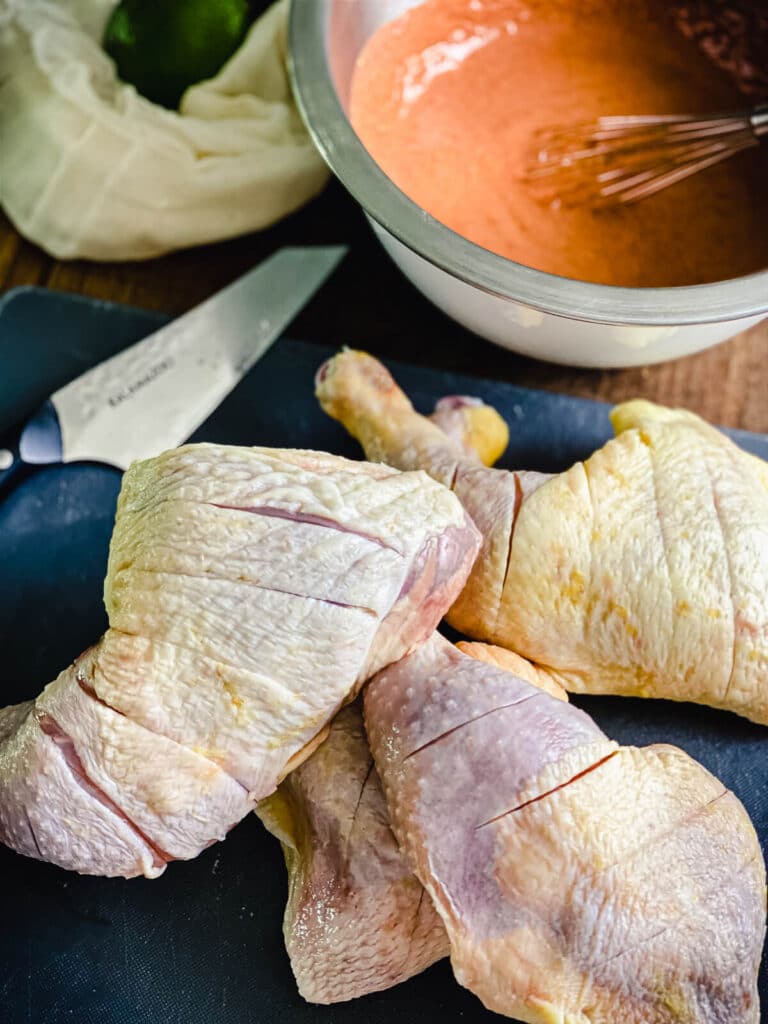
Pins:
<point x="642" y="570"/>
<point x="250" y="593"/>
<point x="579" y="882"/>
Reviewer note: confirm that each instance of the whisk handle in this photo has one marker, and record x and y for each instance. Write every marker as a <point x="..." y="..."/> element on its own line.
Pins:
<point x="759" y="120"/>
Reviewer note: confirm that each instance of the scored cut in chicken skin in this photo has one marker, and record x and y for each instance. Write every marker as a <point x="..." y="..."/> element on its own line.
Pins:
<point x="614" y="576"/>
<point x="357" y="920"/>
<point x="250" y="593"/>
<point x="579" y="882"/>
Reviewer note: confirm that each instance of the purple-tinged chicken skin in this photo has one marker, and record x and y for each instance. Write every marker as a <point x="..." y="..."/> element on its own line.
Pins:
<point x="357" y="919"/>
<point x="579" y="882"/>
<point x="250" y="593"/>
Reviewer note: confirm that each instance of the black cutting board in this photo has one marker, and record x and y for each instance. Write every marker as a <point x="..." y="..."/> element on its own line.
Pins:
<point x="202" y="944"/>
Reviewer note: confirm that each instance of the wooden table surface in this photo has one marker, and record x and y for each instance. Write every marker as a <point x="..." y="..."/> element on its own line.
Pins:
<point x="369" y="304"/>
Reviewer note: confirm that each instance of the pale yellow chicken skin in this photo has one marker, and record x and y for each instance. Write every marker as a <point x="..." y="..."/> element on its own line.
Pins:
<point x="250" y="593"/>
<point x="641" y="571"/>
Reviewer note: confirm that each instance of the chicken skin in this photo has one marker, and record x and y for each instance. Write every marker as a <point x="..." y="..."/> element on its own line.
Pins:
<point x="357" y="919"/>
<point x="579" y="882"/>
<point x="250" y="593"/>
<point x="642" y="570"/>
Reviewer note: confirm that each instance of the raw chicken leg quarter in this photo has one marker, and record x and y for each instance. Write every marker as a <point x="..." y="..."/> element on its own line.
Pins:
<point x="642" y="570"/>
<point x="250" y="593"/>
<point x="579" y="882"/>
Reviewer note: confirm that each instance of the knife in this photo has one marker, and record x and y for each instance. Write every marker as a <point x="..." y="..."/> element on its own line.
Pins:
<point x="154" y="394"/>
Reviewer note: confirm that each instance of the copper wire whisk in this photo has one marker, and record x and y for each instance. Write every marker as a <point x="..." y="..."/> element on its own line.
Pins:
<point x="619" y="160"/>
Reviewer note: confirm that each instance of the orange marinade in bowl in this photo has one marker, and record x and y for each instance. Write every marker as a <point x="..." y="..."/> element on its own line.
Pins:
<point x="447" y="99"/>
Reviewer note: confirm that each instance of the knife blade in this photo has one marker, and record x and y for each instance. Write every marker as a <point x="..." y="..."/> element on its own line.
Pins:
<point x="154" y="394"/>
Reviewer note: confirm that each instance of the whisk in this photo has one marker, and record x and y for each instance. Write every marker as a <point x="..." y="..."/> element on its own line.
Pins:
<point x="619" y="160"/>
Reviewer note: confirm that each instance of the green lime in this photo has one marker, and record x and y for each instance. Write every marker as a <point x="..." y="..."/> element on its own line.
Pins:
<point x="164" y="46"/>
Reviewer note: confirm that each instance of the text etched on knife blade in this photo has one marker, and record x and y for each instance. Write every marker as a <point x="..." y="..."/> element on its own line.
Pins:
<point x="152" y="374"/>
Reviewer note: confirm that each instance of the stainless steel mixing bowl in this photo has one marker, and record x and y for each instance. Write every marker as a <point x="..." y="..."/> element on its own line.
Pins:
<point x="526" y="310"/>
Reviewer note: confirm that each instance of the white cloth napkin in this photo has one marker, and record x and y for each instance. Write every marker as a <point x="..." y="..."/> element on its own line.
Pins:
<point x="89" y="168"/>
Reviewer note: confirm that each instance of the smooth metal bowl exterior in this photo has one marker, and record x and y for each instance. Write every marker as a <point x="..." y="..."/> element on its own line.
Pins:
<point x="526" y="310"/>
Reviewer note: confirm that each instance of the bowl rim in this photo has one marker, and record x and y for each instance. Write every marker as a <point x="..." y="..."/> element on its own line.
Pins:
<point x="330" y="129"/>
